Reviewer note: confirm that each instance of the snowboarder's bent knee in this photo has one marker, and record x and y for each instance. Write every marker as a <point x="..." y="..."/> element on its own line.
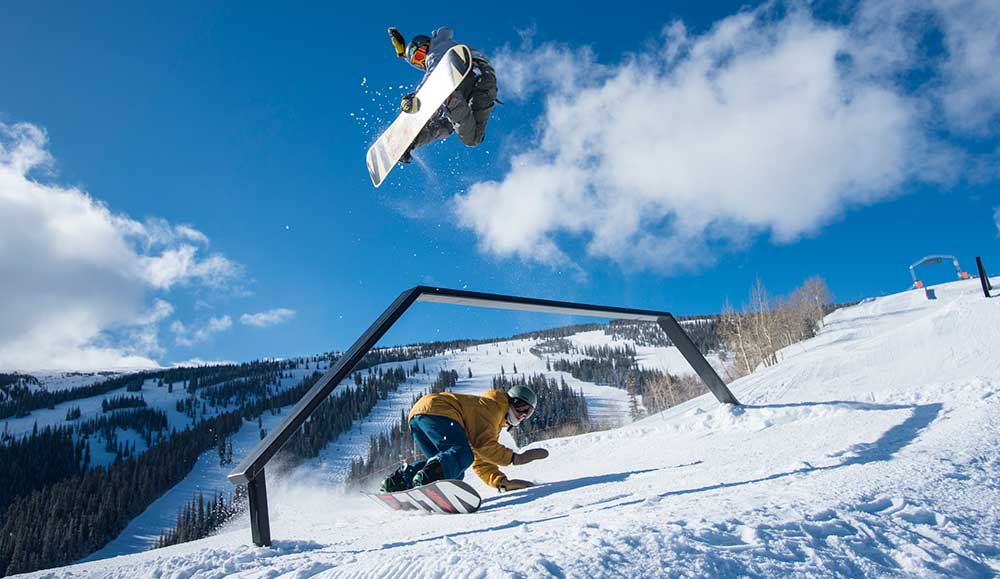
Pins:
<point x="456" y="431"/>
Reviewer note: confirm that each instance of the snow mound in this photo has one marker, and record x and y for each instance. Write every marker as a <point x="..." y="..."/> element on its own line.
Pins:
<point x="870" y="450"/>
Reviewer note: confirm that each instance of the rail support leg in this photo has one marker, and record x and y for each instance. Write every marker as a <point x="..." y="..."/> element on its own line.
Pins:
<point x="983" y="278"/>
<point x="260" y="526"/>
<point x="690" y="352"/>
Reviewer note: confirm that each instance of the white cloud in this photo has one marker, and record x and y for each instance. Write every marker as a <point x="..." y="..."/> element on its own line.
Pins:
<point x="76" y="279"/>
<point x="160" y="233"/>
<point x="182" y="265"/>
<point x="189" y="336"/>
<point x="971" y="88"/>
<point x="964" y="86"/>
<point x="268" y="318"/>
<point x="996" y="218"/>
<point x="142" y="337"/>
<point x="772" y="122"/>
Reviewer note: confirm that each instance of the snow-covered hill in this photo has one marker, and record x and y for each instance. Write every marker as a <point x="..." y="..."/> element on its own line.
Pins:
<point x="870" y="450"/>
<point x="478" y="365"/>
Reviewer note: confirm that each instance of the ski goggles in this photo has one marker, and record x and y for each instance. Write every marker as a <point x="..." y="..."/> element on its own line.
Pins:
<point x="418" y="56"/>
<point x="522" y="408"/>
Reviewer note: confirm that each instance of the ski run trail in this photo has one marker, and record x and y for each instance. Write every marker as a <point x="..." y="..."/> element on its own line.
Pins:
<point x="871" y="450"/>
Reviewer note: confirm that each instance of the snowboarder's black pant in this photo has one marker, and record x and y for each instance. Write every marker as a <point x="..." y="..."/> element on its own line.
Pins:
<point x="467" y="109"/>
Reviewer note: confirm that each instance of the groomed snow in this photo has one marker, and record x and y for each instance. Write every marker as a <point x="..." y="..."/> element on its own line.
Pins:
<point x="870" y="450"/>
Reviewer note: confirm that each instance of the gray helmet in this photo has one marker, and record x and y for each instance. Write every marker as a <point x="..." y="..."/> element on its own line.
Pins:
<point x="524" y="393"/>
<point x="416" y="43"/>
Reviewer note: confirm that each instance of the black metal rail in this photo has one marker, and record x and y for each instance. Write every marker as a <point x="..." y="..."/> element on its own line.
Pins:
<point x="251" y="470"/>
<point x="983" y="278"/>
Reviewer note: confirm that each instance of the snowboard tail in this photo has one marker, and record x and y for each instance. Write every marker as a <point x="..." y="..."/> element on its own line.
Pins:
<point x="443" y="496"/>
<point x="444" y="79"/>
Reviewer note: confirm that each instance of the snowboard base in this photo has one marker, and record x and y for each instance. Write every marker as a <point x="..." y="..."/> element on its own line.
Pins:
<point x="383" y="155"/>
<point x="443" y="496"/>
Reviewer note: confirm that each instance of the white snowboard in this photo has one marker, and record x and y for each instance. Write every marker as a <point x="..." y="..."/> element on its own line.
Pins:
<point x="444" y="79"/>
<point x="443" y="496"/>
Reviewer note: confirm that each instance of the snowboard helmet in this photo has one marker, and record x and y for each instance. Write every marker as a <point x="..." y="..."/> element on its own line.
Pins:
<point x="416" y="51"/>
<point x="522" y="404"/>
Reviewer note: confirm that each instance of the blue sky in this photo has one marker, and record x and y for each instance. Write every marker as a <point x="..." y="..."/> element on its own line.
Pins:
<point x="782" y="141"/>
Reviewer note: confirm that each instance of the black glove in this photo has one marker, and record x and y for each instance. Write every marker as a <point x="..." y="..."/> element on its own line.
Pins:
<point x="513" y="485"/>
<point x="398" y="42"/>
<point x="529" y="455"/>
<point x="410" y="103"/>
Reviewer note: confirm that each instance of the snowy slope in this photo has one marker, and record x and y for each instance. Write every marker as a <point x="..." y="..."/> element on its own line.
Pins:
<point x="207" y="476"/>
<point x="156" y="397"/>
<point x="55" y="381"/>
<point x="870" y="450"/>
<point x="608" y="405"/>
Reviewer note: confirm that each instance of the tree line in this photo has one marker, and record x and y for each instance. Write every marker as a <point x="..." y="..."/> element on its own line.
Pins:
<point x="755" y="335"/>
<point x="21" y="400"/>
<point x="62" y="522"/>
<point x="122" y="401"/>
<point x="199" y="517"/>
<point x="616" y="366"/>
<point x="54" y="453"/>
<point x="44" y="457"/>
<point x="337" y="414"/>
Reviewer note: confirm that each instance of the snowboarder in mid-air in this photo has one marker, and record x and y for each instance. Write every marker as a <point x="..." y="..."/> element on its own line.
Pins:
<point x="467" y="110"/>
<point x="456" y="431"/>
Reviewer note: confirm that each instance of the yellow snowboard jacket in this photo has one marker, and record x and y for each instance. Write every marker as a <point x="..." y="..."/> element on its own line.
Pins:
<point x="482" y="417"/>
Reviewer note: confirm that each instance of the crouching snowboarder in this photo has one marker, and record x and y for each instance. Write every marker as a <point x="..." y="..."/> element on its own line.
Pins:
<point x="467" y="109"/>
<point x="456" y="431"/>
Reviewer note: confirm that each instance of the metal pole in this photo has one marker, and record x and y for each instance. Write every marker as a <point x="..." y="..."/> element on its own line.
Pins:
<point x="260" y="526"/>
<point x="983" y="278"/>
<point x="680" y="339"/>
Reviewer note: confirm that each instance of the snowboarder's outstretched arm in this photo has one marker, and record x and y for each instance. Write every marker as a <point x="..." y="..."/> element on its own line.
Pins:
<point x="491" y="474"/>
<point x="488" y="472"/>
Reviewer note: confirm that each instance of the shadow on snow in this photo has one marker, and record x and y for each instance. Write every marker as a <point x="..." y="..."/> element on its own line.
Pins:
<point x="884" y="448"/>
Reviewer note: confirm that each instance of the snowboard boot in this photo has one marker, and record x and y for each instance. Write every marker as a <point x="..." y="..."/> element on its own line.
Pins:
<point x="407" y="158"/>
<point x="395" y="482"/>
<point x="431" y="472"/>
